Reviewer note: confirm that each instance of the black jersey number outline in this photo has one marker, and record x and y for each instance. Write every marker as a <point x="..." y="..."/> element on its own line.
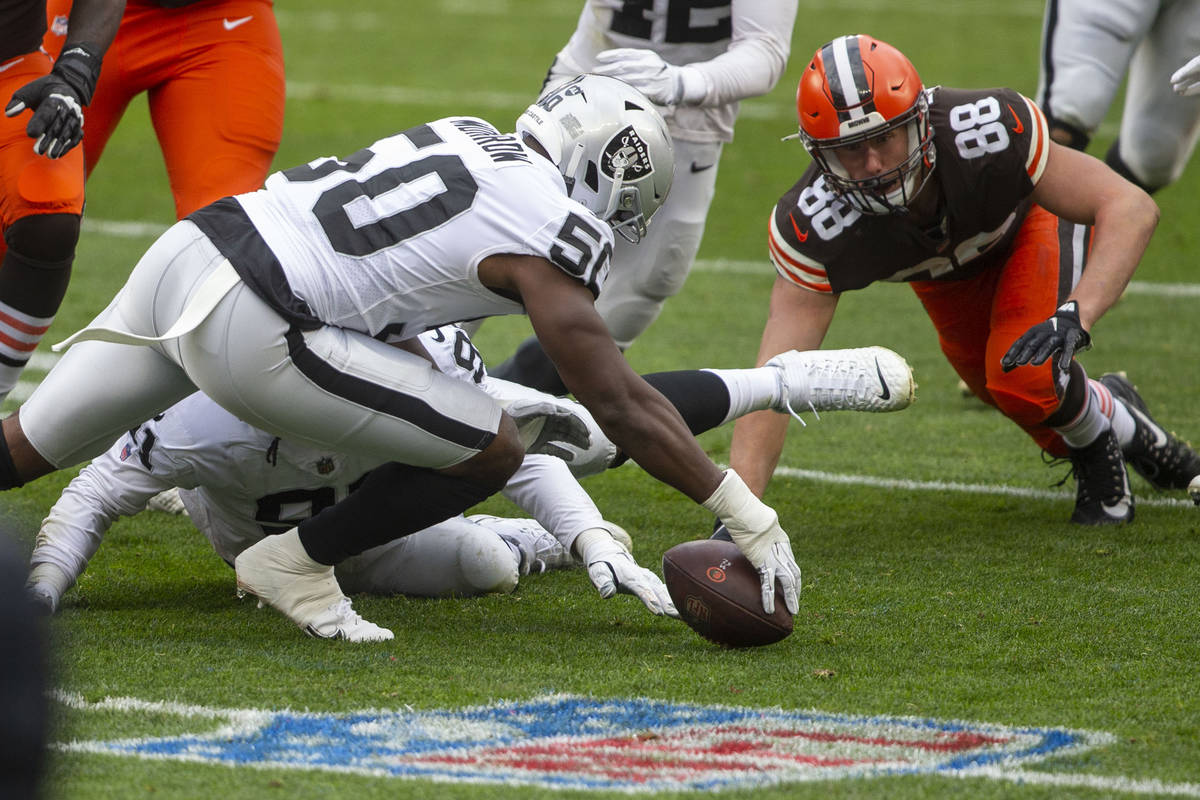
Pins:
<point x="331" y="207"/>
<point x="278" y="512"/>
<point x="465" y="355"/>
<point x="588" y="259"/>
<point x="631" y="20"/>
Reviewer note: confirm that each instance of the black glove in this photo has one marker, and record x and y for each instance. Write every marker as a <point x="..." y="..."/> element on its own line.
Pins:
<point x="1062" y="333"/>
<point x="57" y="101"/>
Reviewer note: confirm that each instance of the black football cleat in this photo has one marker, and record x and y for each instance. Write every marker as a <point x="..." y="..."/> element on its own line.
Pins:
<point x="1160" y="457"/>
<point x="1102" y="495"/>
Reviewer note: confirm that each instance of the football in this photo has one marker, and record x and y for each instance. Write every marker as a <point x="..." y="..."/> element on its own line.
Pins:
<point x="719" y="596"/>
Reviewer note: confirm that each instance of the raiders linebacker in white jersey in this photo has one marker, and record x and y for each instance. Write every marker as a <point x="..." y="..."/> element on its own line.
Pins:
<point x="274" y="304"/>
<point x="696" y="61"/>
<point x="239" y="484"/>
<point x="1088" y="46"/>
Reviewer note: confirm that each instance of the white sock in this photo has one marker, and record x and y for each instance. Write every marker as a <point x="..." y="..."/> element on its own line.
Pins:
<point x="1123" y="423"/>
<point x="1088" y="424"/>
<point x="749" y="390"/>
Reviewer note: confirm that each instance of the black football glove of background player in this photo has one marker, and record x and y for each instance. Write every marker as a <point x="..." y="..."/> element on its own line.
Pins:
<point x="1062" y="333"/>
<point x="57" y="101"/>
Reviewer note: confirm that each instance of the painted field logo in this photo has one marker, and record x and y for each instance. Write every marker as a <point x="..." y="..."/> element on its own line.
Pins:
<point x="569" y="742"/>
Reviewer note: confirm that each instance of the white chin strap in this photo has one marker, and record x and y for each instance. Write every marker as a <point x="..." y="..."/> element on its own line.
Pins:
<point x="614" y="198"/>
<point x="573" y="162"/>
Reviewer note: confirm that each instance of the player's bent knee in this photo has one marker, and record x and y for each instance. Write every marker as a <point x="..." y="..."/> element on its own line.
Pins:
<point x="492" y="467"/>
<point x="47" y="239"/>
<point x="486" y="564"/>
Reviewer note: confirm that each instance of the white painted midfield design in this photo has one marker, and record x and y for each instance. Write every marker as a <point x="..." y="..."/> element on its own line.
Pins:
<point x="566" y="741"/>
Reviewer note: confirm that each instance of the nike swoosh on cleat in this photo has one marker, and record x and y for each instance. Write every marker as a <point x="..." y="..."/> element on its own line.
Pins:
<point x="1121" y="508"/>
<point x="885" y="393"/>
<point x="1118" y="510"/>
<point x="230" y="24"/>
<point x="1160" y="436"/>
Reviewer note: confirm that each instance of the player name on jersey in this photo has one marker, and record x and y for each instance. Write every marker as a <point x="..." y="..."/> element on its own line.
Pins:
<point x="502" y="147"/>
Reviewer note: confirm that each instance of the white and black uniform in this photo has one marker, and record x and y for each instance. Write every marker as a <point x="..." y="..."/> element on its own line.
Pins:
<point x="304" y="280"/>
<point x="240" y="484"/>
<point x="741" y="47"/>
<point x="1088" y="46"/>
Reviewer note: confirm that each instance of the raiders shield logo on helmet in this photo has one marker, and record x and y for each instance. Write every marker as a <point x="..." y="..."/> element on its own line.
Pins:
<point x="626" y="151"/>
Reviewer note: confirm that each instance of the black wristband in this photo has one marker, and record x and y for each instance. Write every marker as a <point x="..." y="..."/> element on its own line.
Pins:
<point x="79" y="67"/>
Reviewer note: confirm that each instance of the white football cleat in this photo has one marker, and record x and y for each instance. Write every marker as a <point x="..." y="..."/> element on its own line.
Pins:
<point x="536" y="549"/>
<point x="341" y="621"/>
<point x="281" y="574"/>
<point x="859" y="379"/>
<point x="1193" y="490"/>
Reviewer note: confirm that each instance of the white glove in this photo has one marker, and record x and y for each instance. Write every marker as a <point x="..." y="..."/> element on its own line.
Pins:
<point x="612" y="570"/>
<point x="543" y="421"/>
<point x="167" y="501"/>
<point x="754" y="528"/>
<point x="1186" y="79"/>
<point x="45" y="587"/>
<point x="664" y="84"/>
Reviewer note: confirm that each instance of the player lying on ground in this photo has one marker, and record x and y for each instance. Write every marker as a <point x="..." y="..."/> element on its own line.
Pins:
<point x="241" y="484"/>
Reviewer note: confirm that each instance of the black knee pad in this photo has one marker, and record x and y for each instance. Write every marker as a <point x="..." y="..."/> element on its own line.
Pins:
<point x="1073" y="397"/>
<point x="45" y="239"/>
<point x="1076" y="139"/>
<point x="1118" y="165"/>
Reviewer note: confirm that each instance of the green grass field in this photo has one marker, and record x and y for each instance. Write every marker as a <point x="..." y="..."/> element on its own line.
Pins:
<point x="941" y="579"/>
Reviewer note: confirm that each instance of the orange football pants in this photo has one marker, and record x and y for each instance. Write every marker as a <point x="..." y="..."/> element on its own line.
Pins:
<point x="32" y="184"/>
<point x="977" y="320"/>
<point x="213" y="75"/>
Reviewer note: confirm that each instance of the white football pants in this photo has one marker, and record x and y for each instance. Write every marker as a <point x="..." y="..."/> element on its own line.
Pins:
<point x="1087" y="48"/>
<point x="331" y="388"/>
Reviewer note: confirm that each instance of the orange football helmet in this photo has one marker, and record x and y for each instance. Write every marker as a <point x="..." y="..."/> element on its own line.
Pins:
<point x="855" y="89"/>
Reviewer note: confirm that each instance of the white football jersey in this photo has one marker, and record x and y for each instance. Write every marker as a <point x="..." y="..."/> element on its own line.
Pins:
<point x="389" y="240"/>
<point x="741" y="46"/>
<point x="239" y="483"/>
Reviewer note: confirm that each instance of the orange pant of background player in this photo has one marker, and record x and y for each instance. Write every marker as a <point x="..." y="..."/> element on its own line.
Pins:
<point x="213" y="75"/>
<point x="29" y="183"/>
<point x="977" y="320"/>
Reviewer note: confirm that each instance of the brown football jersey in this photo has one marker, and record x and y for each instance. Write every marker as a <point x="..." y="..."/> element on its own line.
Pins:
<point x="23" y="23"/>
<point x="991" y="148"/>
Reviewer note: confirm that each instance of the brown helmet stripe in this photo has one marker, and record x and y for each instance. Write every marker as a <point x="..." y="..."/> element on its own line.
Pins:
<point x="847" y="78"/>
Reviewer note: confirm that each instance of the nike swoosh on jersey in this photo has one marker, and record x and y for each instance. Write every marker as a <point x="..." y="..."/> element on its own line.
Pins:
<point x="1018" y="128"/>
<point x="801" y="236"/>
<point x="230" y="24"/>
<point x="698" y="168"/>
<point x="885" y="393"/>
